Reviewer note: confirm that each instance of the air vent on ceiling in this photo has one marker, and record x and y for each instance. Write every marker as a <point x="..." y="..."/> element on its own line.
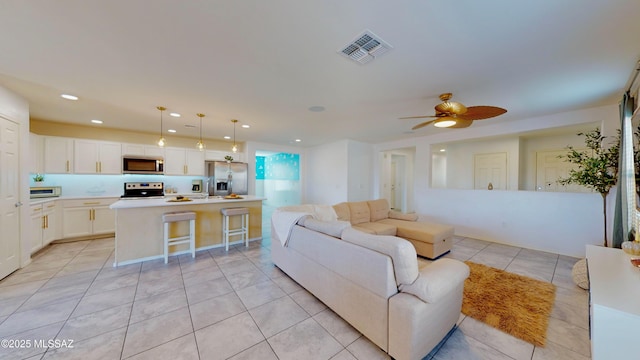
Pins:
<point x="366" y="47"/>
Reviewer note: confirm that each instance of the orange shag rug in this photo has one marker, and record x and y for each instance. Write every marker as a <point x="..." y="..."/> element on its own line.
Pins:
<point x="515" y="304"/>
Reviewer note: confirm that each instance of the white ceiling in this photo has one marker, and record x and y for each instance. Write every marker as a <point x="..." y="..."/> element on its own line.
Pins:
<point x="266" y="62"/>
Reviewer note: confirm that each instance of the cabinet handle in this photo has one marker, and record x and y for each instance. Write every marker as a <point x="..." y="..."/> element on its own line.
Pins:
<point x="184" y="169"/>
<point x="100" y="166"/>
<point x="67" y="165"/>
<point x="51" y="206"/>
<point x="43" y="222"/>
<point x="46" y="221"/>
<point x="93" y="214"/>
<point x="92" y="203"/>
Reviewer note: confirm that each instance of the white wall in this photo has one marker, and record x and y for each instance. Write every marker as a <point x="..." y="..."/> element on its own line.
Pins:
<point x="328" y="173"/>
<point x="359" y="165"/>
<point x="16" y="109"/>
<point x="555" y="222"/>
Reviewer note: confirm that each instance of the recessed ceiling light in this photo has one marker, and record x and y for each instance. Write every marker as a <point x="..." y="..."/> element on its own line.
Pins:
<point x="69" y="97"/>
<point x="174" y="114"/>
<point x="96" y="121"/>
<point x="227" y="137"/>
<point x="298" y="140"/>
<point x="171" y="130"/>
<point x="317" y="108"/>
<point x="246" y="126"/>
<point x="443" y="150"/>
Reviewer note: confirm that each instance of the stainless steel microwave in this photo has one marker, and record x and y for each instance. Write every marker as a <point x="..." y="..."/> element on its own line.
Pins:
<point x="142" y="165"/>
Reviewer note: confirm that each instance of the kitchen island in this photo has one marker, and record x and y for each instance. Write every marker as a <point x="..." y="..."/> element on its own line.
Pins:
<point x="139" y="228"/>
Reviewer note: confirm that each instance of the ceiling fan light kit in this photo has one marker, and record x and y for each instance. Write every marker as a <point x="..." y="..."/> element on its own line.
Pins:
<point x="443" y="123"/>
<point x="455" y="115"/>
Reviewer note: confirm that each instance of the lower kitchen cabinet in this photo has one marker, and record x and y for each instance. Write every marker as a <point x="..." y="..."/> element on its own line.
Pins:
<point x="81" y="218"/>
<point x="43" y="225"/>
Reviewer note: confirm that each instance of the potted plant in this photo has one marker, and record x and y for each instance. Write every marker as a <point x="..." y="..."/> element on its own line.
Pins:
<point x="228" y="158"/>
<point x="597" y="167"/>
<point x="38" y="179"/>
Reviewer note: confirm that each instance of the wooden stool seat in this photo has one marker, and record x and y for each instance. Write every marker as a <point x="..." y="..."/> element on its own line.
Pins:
<point x="172" y="217"/>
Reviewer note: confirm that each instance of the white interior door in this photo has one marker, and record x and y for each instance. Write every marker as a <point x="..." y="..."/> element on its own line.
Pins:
<point x="549" y="168"/>
<point x="9" y="197"/>
<point x="398" y="182"/>
<point x="490" y="169"/>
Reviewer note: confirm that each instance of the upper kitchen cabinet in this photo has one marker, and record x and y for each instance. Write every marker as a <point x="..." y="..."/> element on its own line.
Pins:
<point x="36" y="151"/>
<point x="218" y="155"/>
<point x="142" y="150"/>
<point x="97" y="157"/>
<point x="58" y="155"/>
<point x="179" y="161"/>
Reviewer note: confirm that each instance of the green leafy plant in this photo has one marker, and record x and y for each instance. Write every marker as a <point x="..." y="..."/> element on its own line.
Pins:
<point x="596" y="167"/>
<point x="38" y="177"/>
<point x="228" y="158"/>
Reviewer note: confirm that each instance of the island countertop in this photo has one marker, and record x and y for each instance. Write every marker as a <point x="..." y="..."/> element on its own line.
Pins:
<point x="139" y="227"/>
<point x="155" y="202"/>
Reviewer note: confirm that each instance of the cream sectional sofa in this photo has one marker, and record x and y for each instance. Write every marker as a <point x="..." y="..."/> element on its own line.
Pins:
<point x="373" y="282"/>
<point x="431" y="240"/>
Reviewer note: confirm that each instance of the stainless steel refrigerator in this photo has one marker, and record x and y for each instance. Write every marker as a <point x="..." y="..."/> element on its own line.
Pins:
<point x="225" y="178"/>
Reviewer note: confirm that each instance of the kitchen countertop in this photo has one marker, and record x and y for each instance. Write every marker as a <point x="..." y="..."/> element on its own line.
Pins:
<point x="142" y="203"/>
<point x="36" y="201"/>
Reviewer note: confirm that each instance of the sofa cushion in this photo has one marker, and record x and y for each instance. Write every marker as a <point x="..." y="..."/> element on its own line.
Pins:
<point x="393" y="214"/>
<point x="402" y="253"/>
<point x="331" y="228"/>
<point x="377" y="228"/>
<point x="359" y="212"/>
<point x="437" y="280"/>
<point x="420" y="230"/>
<point x="379" y="209"/>
<point x="342" y="211"/>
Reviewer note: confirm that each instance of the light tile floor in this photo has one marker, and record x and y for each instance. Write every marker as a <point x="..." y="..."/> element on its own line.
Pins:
<point x="237" y="305"/>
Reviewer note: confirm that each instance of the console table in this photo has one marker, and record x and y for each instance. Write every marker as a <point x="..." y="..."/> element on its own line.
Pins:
<point x="614" y="303"/>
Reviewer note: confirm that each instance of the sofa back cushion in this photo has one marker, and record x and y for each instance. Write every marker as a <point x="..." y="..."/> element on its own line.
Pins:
<point x="402" y="253"/>
<point x="331" y="228"/>
<point x="379" y="209"/>
<point x="342" y="210"/>
<point x="359" y="212"/>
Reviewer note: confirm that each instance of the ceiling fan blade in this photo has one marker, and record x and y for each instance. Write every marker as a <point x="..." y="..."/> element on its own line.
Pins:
<point x="451" y="107"/>
<point x="461" y="123"/>
<point x="482" y="112"/>
<point x="421" y="125"/>
<point x="418" y="117"/>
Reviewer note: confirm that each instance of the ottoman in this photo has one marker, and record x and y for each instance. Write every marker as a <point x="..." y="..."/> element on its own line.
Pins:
<point x="431" y="240"/>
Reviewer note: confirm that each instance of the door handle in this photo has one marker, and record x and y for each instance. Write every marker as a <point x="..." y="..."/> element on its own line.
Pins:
<point x="18" y="204"/>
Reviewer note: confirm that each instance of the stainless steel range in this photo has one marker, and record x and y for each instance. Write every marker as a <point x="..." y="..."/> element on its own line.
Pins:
<point x="143" y="190"/>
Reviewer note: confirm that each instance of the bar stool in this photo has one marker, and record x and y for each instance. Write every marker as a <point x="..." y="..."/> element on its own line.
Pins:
<point x="172" y="217"/>
<point x="242" y="230"/>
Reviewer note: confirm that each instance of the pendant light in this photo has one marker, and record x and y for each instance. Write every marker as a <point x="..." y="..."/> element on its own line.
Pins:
<point x="161" y="141"/>
<point x="200" y="144"/>
<point x="234" y="148"/>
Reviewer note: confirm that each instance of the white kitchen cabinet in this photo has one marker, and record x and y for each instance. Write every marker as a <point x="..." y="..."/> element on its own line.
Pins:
<point x="218" y="155"/>
<point x="43" y="225"/>
<point x="97" y="157"/>
<point x="142" y="150"/>
<point x="36" y="163"/>
<point x="84" y="218"/>
<point x="58" y="155"/>
<point x="36" y="226"/>
<point x="180" y="161"/>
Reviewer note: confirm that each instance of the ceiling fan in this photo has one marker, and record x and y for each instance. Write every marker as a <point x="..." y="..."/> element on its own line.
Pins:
<point x="453" y="114"/>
